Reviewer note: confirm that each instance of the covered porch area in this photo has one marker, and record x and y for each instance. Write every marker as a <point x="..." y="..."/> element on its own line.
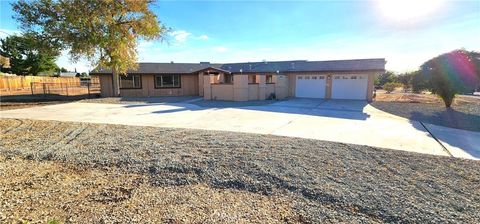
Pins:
<point x="220" y="84"/>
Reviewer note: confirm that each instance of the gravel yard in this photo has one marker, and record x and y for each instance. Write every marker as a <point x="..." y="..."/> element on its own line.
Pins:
<point x="82" y="172"/>
<point x="464" y="114"/>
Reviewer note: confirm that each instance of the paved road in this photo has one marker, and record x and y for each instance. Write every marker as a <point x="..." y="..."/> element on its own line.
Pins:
<point x="334" y="120"/>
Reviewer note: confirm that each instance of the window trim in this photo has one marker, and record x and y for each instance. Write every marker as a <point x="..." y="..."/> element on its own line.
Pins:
<point x="167" y="87"/>
<point x="266" y="79"/>
<point x="254" y="79"/>
<point x="120" y="81"/>
<point x="225" y="79"/>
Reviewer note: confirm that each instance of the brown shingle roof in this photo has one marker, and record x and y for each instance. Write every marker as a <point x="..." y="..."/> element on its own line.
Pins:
<point x="376" y="64"/>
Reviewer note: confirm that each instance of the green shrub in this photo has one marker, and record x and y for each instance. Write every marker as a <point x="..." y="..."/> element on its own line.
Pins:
<point x="390" y="86"/>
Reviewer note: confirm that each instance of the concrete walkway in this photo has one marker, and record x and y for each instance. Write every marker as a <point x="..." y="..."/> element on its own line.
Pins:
<point x="341" y="121"/>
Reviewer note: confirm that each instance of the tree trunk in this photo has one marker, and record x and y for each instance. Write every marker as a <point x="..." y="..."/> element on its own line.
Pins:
<point x="448" y="100"/>
<point x="116" y="83"/>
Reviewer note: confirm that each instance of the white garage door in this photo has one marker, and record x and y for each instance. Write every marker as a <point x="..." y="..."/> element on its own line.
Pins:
<point x="352" y="87"/>
<point x="310" y="86"/>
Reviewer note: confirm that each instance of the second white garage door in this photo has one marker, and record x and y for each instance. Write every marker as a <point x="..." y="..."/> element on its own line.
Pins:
<point x="310" y="86"/>
<point x="353" y="87"/>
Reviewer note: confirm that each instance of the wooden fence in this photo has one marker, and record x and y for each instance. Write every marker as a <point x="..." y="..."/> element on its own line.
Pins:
<point x="21" y="85"/>
<point x="13" y="83"/>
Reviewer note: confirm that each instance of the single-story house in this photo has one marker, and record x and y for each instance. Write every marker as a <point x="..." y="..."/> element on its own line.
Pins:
<point x="339" y="79"/>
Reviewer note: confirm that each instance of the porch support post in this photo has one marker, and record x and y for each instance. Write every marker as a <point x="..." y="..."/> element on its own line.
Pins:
<point x="207" y="87"/>
<point x="281" y="85"/>
<point x="200" y="83"/>
<point x="262" y="87"/>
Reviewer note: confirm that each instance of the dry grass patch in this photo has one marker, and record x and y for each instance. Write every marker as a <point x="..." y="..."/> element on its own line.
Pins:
<point x="421" y="98"/>
<point x="428" y="108"/>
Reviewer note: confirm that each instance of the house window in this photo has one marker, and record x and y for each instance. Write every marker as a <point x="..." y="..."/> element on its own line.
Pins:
<point x="228" y="78"/>
<point x="314" y="77"/>
<point x="321" y="77"/>
<point x="353" y="77"/>
<point x="269" y="78"/>
<point x="167" y="81"/>
<point x="337" y="77"/>
<point x="300" y="77"/>
<point x="252" y="79"/>
<point x="130" y="82"/>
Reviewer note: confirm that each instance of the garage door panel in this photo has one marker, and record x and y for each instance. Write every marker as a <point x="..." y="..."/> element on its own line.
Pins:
<point x="310" y="86"/>
<point x="349" y="87"/>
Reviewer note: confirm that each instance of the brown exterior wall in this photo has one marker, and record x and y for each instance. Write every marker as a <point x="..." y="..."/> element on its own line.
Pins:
<point x="240" y="87"/>
<point x="200" y="84"/>
<point x="197" y="85"/>
<point x="269" y="89"/>
<point x="328" y="87"/>
<point x="189" y="86"/>
<point x="252" y="91"/>
<point x="241" y="90"/>
<point x="222" y="91"/>
<point x="371" y="86"/>
<point x="281" y="86"/>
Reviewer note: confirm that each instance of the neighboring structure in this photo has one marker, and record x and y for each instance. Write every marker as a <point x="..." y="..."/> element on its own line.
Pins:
<point x="4" y="62"/>
<point x="340" y="79"/>
<point x="67" y="74"/>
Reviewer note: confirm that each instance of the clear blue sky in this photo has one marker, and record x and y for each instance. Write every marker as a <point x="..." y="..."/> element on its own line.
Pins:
<point x="405" y="32"/>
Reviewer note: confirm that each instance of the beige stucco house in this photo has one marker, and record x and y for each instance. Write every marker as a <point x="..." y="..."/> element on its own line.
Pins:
<point x="339" y="79"/>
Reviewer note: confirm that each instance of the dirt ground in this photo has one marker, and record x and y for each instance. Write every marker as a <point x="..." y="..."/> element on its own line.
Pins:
<point x="25" y="101"/>
<point x="401" y="97"/>
<point x="97" y="173"/>
<point x="463" y="114"/>
<point x="20" y="105"/>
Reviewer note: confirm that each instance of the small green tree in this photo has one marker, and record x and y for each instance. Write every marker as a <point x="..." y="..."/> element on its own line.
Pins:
<point x="62" y="69"/>
<point x="406" y="80"/>
<point x="105" y="32"/>
<point x="419" y="82"/>
<point x="388" y="76"/>
<point x="27" y="55"/>
<point x="452" y="73"/>
<point x="390" y="86"/>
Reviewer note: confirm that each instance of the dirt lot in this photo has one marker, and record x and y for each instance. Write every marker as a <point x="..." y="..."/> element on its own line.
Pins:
<point x="79" y="172"/>
<point x="464" y="114"/>
<point x="24" y="101"/>
<point x="399" y="96"/>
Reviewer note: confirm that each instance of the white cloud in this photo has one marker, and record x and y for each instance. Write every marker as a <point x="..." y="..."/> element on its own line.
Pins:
<point x="220" y="49"/>
<point x="404" y="50"/>
<point x="203" y="37"/>
<point x="180" y="36"/>
<point x="144" y="46"/>
<point x="6" y="32"/>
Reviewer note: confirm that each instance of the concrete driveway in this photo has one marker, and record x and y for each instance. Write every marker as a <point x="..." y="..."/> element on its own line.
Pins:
<point x="333" y="120"/>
